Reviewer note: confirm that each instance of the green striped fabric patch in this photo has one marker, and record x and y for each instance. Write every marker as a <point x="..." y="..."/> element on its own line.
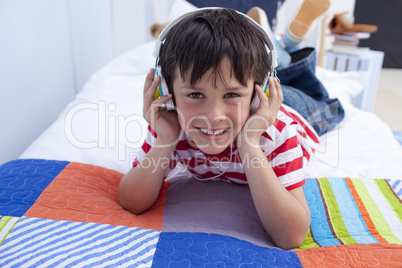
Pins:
<point x="347" y="211"/>
<point x="6" y="224"/>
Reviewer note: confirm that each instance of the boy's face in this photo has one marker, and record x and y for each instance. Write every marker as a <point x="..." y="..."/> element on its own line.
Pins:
<point x="212" y="115"/>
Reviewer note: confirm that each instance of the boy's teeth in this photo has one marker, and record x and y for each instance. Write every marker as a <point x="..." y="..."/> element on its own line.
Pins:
<point x="210" y="132"/>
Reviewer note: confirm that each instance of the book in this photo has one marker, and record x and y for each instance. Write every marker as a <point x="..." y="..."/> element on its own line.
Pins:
<point x="352" y="36"/>
<point x="349" y="49"/>
<point x="348" y="42"/>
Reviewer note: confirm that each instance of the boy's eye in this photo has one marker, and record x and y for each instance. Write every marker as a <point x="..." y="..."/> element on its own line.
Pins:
<point x="195" y="95"/>
<point x="231" y="95"/>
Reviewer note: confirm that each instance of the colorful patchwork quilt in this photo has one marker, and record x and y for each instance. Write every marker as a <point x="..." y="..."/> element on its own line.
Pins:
<point x="67" y="214"/>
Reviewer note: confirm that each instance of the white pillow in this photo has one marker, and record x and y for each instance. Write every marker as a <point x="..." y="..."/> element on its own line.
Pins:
<point x="179" y="8"/>
<point x="345" y="86"/>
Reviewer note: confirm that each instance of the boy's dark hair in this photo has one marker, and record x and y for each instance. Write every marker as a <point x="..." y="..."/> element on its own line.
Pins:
<point x="200" y="42"/>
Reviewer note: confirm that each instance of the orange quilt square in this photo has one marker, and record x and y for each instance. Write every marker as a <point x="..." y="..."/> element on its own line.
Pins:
<point x="365" y="255"/>
<point x="88" y="193"/>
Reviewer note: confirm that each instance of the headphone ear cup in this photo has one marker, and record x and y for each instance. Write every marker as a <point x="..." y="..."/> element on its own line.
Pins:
<point x="255" y="103"/>
<point x="162" y="89"/>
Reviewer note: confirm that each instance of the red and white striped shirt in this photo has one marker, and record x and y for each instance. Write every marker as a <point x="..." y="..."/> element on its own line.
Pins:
<point x="287" y="144"/>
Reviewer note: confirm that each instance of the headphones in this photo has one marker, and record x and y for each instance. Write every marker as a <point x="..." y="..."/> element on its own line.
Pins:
<point x="162" y="88"/>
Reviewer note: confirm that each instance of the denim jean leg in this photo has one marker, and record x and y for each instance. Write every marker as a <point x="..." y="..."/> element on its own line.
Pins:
<point x="304" y="105"/>
<point x="304" y="92"/>
<point x="300" y="74"/>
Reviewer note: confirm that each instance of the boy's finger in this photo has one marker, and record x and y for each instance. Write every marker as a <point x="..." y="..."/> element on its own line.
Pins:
<point x="163" y="99"/>
<point x="280" y="92"/>
<point x="259" y="90"/>
<point x="156" y="104"/>
<point x="148" y="80"/>
<point x="261" y="95"/>
<point x="149" y="93"/>
<point x="277" y="89"/>
<point x="272" y="88"/>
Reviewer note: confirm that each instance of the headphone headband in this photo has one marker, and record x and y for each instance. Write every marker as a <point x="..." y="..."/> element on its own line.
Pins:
<point x="269" y="45"/>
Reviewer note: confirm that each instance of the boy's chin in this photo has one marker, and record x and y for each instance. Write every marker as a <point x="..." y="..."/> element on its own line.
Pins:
<point x="214" y="149"/>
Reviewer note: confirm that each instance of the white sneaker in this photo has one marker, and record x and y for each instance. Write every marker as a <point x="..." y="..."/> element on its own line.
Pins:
<point x="309" y="13"/>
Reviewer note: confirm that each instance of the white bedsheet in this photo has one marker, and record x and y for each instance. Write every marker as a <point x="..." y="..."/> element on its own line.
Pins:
<point x="103" y="125"/>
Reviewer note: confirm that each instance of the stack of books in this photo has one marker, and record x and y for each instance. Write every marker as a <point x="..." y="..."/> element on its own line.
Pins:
<point x="348" y="42"/>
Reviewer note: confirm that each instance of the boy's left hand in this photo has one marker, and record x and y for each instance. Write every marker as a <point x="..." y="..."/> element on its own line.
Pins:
<point x="264" y="116"/>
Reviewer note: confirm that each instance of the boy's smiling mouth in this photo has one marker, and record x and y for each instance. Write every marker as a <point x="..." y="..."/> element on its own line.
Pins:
<point x="212" y="132"/>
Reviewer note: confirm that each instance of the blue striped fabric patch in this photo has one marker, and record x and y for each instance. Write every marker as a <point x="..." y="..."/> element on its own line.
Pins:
<point x="396" y="185"/>
<point x="350" y="213"/>
<point x="398" y="136"/>
<point x="322" y="231"/>
<point x="40" y="242"/>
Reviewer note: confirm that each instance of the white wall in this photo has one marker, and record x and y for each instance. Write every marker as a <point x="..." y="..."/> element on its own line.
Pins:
<point x="131" y="27"/>
<point x="50" y="48"/>
<point x="36" y="70"/>
<point x="91" y="36"/>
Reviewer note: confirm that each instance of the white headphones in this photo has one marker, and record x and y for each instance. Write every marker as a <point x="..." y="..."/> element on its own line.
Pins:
<point x="163" y="89"/>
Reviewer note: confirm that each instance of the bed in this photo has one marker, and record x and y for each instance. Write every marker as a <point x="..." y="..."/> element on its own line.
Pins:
<point x="59" y="201"/>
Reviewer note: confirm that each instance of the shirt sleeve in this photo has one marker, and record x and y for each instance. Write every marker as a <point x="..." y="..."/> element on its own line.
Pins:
<point x="146" y="147"/>
<point x="282" y="148"/>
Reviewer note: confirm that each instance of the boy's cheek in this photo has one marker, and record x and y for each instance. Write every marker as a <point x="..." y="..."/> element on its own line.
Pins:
<point x="182" y="120"/>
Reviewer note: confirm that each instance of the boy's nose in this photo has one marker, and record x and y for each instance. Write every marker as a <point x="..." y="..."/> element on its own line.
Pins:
<point x="216" y="111"/>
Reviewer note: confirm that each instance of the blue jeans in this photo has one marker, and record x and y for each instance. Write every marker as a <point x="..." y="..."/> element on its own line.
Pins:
<point x="304" y="92"/>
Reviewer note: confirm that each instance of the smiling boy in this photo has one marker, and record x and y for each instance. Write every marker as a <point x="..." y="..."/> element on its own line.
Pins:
<point x="213" y="62"/>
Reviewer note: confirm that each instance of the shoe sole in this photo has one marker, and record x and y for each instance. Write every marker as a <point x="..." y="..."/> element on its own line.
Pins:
<point x="259" y="16"/>
<point x="308" y="13"/>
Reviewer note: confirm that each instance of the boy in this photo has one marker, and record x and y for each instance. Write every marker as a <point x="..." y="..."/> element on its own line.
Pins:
<point x="213" y="62"/>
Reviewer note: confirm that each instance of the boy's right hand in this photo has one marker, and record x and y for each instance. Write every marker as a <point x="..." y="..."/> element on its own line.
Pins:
<point x="164" y="123"/>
